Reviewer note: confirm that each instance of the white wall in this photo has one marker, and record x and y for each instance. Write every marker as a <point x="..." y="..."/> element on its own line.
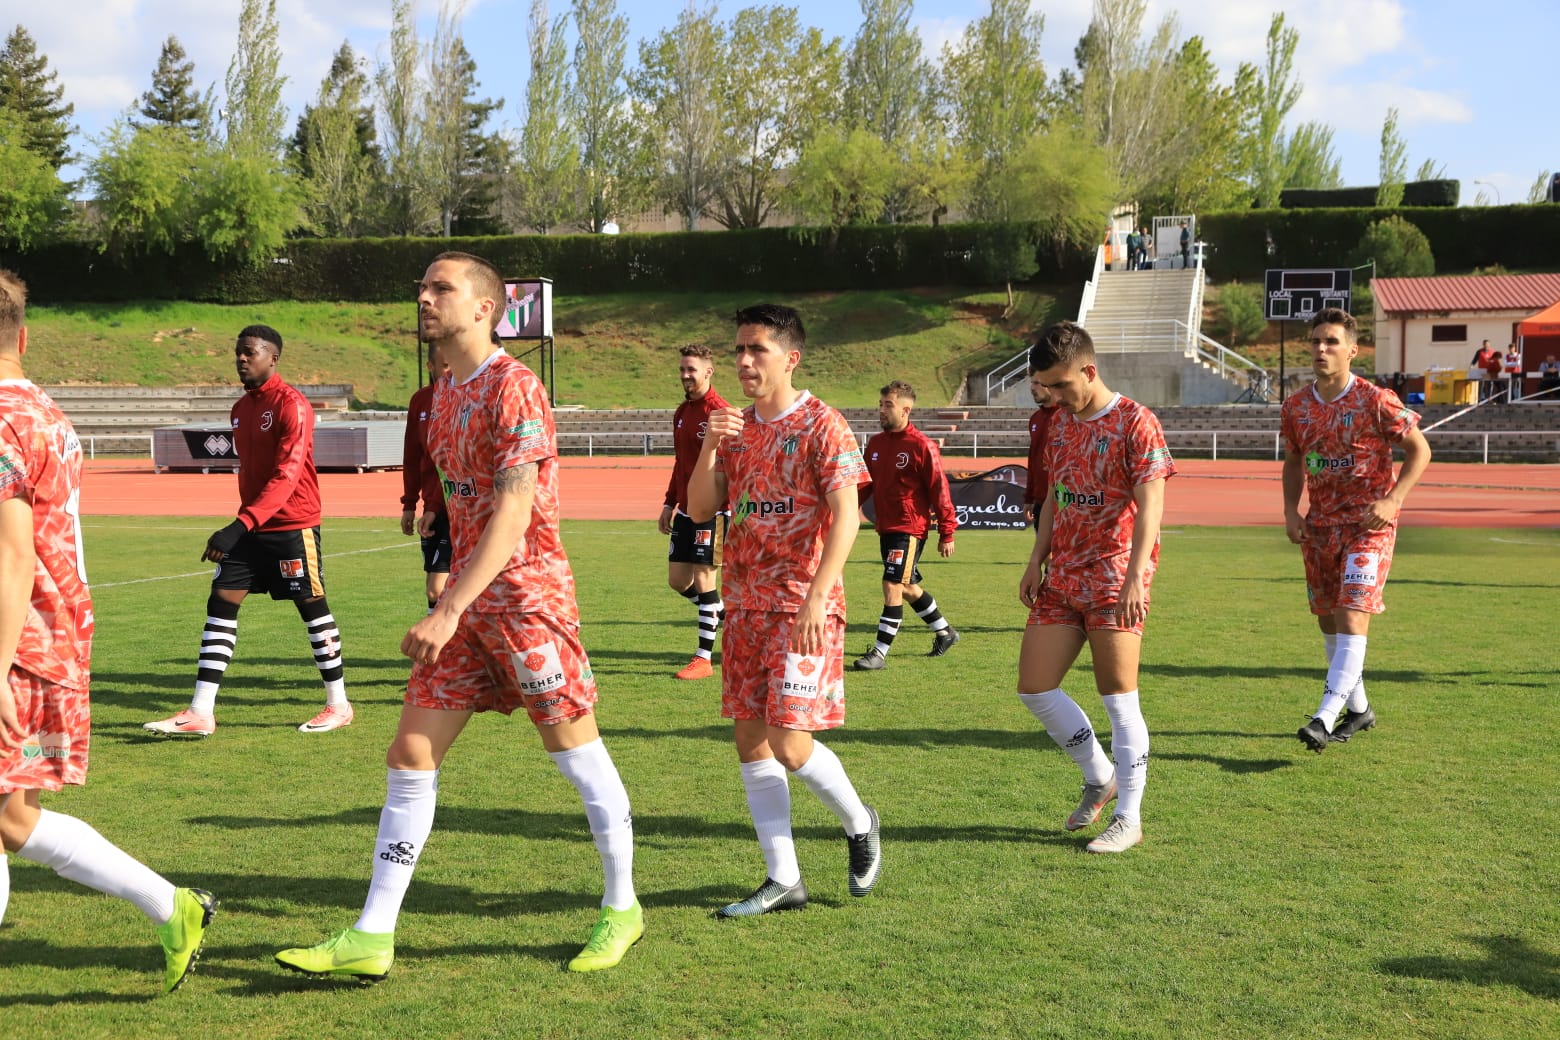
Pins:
<point x="1495" y="326"/>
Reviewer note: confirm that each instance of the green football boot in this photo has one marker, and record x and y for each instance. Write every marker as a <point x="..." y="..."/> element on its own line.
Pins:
<point x="184" y="933"/>
<point x="614" y="934"/>
<point x="365" y="956"/>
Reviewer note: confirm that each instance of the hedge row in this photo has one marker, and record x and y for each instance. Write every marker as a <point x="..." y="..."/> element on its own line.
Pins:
<point x="1515" y="237"/>
<point x="378" y="270"/>
<point x="1415" y="193"/>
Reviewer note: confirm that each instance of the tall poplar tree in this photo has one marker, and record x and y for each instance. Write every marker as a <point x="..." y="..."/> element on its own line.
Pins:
<point x="538" y="193"/>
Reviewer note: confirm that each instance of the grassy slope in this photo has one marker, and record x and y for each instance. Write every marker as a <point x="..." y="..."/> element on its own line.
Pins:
<point x="612" y="351"/>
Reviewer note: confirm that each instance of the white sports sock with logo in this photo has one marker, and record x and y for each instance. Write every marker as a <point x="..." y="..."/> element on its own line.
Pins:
<point x="1066" y="724"/>
<point x="76" y="852"/>
<point x="1129" y="747"/>
<point x="1358" y="702"/>
<point x="1343" y="674"/>
<point x="769" y="801"/>
<point x="825" y="777"/>
<point x="589" y="768"/>
<point x="404" y="825"/>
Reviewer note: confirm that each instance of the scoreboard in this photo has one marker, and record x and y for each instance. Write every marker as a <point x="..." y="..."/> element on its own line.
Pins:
<point x="1297" y="295"/>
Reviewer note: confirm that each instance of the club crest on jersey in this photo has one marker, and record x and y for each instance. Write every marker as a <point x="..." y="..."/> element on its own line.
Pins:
<point x="788" y="446"/>
<point x="267" y="420"/>
<point x="1101" y="445"/>
<point x="902" y="460"/>
<point x="465" y="414"/>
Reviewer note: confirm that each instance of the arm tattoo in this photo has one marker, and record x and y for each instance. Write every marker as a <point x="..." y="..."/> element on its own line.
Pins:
<point x="515" y="481"/>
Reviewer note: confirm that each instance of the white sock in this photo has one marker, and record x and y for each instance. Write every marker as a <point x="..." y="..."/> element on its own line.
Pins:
<point x="404" y="825"/>
<point x="769" y="802"/>
<point x="5" y="885"/>
<point x="1069" y="727"/>
<point x="825" y="777"/>
<point x="1129" y="747"/>
<point x="1358" y="702"/>
<point x="76" y="852"/>
<point x="1343" y="674"/>
<point x="589" y="768"/>
<point x="205" y="700"/>
<point x="336" y="693"/>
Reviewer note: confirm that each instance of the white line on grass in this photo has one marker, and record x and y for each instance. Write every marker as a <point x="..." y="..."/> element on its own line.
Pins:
<point x="1519" y="541"/>
<point x="207" y="571"/>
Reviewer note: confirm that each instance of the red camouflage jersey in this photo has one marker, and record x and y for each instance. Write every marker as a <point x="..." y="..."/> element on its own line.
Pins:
<point x="273" y="433"/>
<point x="497" y="420"/>
<point x="1035" y="488"/>
<point x="1346" y="445"/>
<point x="40" y="458"/>
<point x="908" y="484"/>
<point x="778" y="477"/>
<point x="419" y="476"/>
<point x="688" y="426"/>
<point x="1094" y="464"/>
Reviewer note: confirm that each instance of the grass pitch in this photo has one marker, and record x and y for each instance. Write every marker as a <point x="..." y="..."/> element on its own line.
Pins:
<point x="1401" y="885"/>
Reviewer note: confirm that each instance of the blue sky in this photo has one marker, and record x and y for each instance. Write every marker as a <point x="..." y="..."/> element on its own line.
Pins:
<point x="1473" y="82"/>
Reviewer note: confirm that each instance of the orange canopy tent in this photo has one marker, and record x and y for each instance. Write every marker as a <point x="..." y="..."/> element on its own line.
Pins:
<point x="1545" y="323"/>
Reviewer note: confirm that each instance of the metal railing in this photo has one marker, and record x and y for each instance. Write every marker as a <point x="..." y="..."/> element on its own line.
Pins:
<point x="89" y="444"/>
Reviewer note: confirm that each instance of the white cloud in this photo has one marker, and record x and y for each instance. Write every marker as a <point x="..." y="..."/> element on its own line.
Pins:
<point x="1362" y="107"/>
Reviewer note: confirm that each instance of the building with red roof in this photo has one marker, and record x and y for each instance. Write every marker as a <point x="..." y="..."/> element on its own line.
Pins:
<point x="1424" y="323"/>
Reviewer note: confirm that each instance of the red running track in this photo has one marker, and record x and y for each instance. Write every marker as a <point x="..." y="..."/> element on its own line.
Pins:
<point x="1206" y="492"/>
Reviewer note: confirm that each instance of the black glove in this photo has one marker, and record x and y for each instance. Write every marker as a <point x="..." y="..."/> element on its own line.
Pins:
<point x="223" y="541"/>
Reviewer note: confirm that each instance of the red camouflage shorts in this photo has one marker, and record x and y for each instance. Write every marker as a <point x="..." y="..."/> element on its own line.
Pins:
<point x="58" y="724"/>
<point x="1346" y="566"/>
<point x="761" y="678"/>
<point x="1087" y="601"/>
<point x="500" y="662"/>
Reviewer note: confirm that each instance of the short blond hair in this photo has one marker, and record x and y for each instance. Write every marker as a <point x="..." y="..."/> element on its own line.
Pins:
<point x="13" y="309"/>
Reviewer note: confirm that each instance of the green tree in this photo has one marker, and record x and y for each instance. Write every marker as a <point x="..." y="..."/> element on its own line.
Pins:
<point x="614" y="182"/>
<point x="334" y="150"/>
<point x="1274" y="94"/>
<point x="400" y="93"/>
<point x="889" y="92"/>
<point x="539" y="193"/>
<point x="841" y="178"/>
<point x="1309" y="159"/>
<point x="1394" y="163"/>
<point x="242" y="209"/>
<point x="1129" y="99"/>
<point x="1539" y="190"/>
<point x="994" y="85"/>
<point x="778" y="85"/>
<point x="173" y="100"/>
<point x="1200" y="166"/>
<point x="33" y="202"/>
<point x="1240" y="318"/>
<point x="256" y="119"/>
<point x="1060" y="184"/>
<point x="143" y="181"/>
<point x="1398" y="247"/>
<point x="886" y="76"/>
<point x="28" y="89"/>
<point x="1430" y="170"/>
<point x="676" y="86"/>
<point x="454" y="145"/>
